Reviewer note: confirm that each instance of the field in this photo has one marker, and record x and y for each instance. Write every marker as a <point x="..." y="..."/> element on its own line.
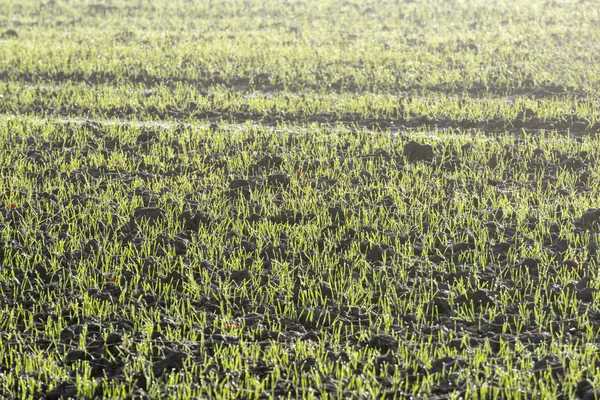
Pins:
<point x="297" y="199"/>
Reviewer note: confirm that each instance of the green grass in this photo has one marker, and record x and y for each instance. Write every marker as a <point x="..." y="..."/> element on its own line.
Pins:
<point x="274" y="279"/>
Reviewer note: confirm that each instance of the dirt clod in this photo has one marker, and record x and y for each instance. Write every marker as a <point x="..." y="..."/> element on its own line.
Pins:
<point x="415" y="151"/>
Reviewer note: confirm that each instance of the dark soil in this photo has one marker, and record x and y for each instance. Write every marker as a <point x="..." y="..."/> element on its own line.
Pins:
<point x="437" y="266"/>
<point x="264" y="82"/>
<point x="569" y="123"/>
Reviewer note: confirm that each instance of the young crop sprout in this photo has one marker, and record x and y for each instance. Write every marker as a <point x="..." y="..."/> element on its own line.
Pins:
<point x="298" y="199"/>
